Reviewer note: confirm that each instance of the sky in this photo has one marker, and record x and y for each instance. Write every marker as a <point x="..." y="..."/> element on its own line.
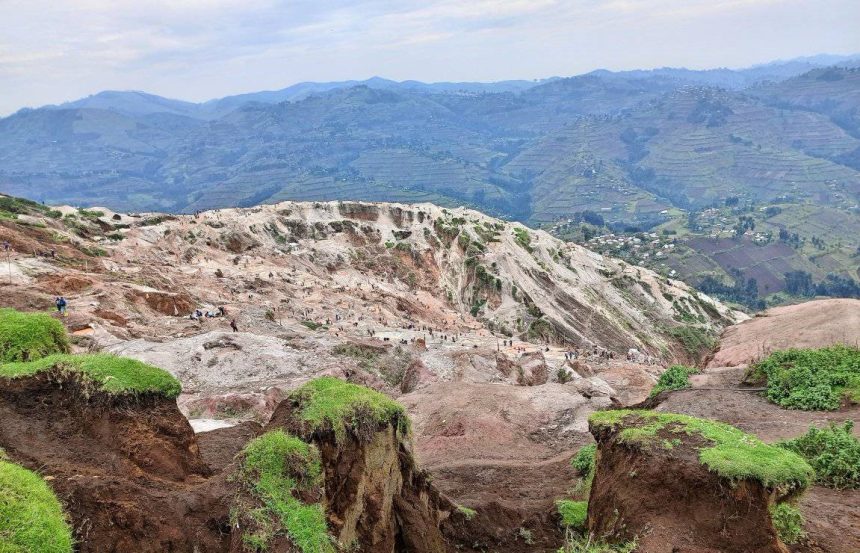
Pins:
<point x="57" y="50"/>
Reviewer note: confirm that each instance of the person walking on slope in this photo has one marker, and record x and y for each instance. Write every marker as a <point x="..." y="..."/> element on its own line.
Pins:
<point x="61" y="305"/>
<point x="233" y="325"/>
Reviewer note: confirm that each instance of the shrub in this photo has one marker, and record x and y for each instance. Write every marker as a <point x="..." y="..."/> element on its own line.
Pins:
<point x="583" y="461"/>
<point x="788" y="522"/>
<point x="676" y="377"/>
<point x="275" y="465"/>
<point x="833" y="452"/>
<point x="574" y="542"/>
<point x="811" y="379"/>
<point x="731" y="453"/>
<point x="31" y="518"/>
<point x="108" y="373"/>
<point x="573" y="513"/>
<point x="328" y="403"/>
<point x="30" y="336"/>
<point x="467" y="512"/>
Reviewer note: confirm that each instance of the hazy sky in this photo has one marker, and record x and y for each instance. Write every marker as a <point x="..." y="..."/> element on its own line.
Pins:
<point x="57" y="50"/>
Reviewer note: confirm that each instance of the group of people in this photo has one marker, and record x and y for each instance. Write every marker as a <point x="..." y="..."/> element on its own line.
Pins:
<point x="200" y="315"/>
<point x="61" y="304"/>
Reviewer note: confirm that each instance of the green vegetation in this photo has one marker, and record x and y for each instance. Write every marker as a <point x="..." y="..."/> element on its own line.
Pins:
<point x="584" y="460"/>
<point x="467" y="512"/>
<point x="573" y="513"/>
<point x="109" y="373"/>
<point x="523" y="238"/>
<point x="696" y="341"/>
<point x="30" y="336"/>
<point x="732" y="454"/>
<point x="788" y="522"/>
<point x="328" y="403"/>
<point x="811" y="379"/>
<point x="676" y="377"/>
<point x="273" y="466"/>
<point x="833" y="452"/>
<point x="311" y="325"/>
<point x="31" y="517"/>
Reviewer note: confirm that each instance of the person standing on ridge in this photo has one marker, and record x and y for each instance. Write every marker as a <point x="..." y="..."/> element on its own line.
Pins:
<point x="233" y="325"/>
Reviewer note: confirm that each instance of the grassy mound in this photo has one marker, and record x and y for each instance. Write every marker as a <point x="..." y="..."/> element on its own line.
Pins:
<point x="30" y="336"/>
<point x="31" y="518"/>
<point x="573" y="513"/>
<point x="328" y="403"/>
<point x="676" y="377"/>
<point x="274" y="466"/>
<point x="811" y="379"/>
<point x="833" y="452"/>
<point x="733" y="454"/>
<point x="109" y="373"/>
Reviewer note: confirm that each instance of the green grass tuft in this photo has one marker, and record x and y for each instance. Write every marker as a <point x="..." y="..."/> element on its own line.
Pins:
<point x="467" y="512"/>
<point x="273" y="466"/>
<point x="576" y="542"/>
<point x="811" y="379"/>
<point x="111" y="374"/>
<point x="833" y="452"/>
<point x="733" y="454"/>
<point x="328" y="403"/>
<point x="676" y="377"/>
<point x="31" y="518"/>
<point x="696" y="341"/>
<point x="573" y="513"/>
<point x="30" y="336"/>
<point x="788" y="522"/>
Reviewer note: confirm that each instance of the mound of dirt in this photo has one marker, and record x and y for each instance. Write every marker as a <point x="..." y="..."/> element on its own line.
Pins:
<point x="127" y="470"/>
<point x="813" y="324"/>
<point x="64" y="285"/>
<point x="670" y="502"/>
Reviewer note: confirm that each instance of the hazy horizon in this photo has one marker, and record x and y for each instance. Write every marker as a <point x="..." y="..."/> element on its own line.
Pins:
<point x="196" y="50"/>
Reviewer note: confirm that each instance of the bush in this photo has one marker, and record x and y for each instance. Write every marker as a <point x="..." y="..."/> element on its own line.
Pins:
<point x="30" y="336"/>
<point x="109" y="373"/>
<point x="788" y="522"/>
<point x="583" y="461"/>
<point x="676" y="377"/>
<point x="31" y="518"/>
<point x="811" y="379"/>
<point x="833" y="452"/>
<point x="275" y="465"/>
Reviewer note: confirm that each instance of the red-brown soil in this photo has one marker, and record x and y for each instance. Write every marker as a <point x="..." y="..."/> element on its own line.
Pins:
<point x="812" y="324"/>
<point x="128" y="471"/>
<point x="672" y="503"/>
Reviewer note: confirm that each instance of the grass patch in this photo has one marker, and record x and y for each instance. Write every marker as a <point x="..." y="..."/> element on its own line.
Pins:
<point x="788" y="522"/>
<point x="30" y="336"/>
<point x="523" y="238"/>
<point x="584" y="462"/>
<point x="31" y="518"/>
<point x="109" y="373"/>
<point x="467" y="512"/>
<point x="733" y="454"/>
<point x="328" y="403"/>
<point x="833" y="452"/>
<point x="573" y="513"/>
<point x="676" y="377"/>
<point x="275" y="465"/>
<point x="811" y="379"/>
<point x="311" y="325"/>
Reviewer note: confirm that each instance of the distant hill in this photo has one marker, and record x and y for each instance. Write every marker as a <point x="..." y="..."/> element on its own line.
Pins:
<point x="637" y="148"/>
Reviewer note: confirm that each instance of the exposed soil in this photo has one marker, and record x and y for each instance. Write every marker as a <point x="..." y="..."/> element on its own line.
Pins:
<point x="128" y="471"/>
<point x="807" y="325"/>
<point x="671" y="503"/>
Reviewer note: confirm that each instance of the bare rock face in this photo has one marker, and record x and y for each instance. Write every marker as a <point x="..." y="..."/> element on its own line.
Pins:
<point x="653" y="486"/>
